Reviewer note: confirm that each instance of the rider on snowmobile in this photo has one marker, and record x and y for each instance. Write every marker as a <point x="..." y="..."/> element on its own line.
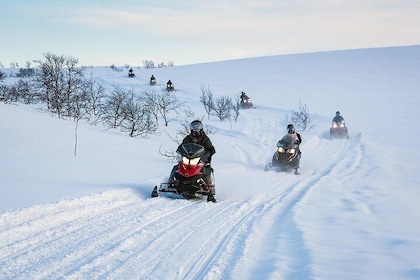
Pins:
<point x="198" y="136"/>
<point x="169" y="85"/>
<point x="243" y="96"/>
<point x="338" y="128"/>
<point x="291" y="134"/>
<point x="292" y="138"/>
<point x="338" y="118"/>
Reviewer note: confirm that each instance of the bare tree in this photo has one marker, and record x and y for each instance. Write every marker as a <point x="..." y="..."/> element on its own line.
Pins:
<point x="236" y="107"/>
<point x="26" y="72"/>
<point x="27" y="92"/>
<point x="4" y="93"/>
<point x="137" y="120"/>
<point x="223" y="107"/>
<point x="150" y="98"/>
<point x="74" y="81"/>
<point x="148" y="64"/>
<point x="206" y="99"/>
<point x="302" y="119"/>
<point x="95" y="92"/>
<point x="79" y="111"/>
<point x="161" y="103"/>
<point x="59" y="79"/>
<point x="114" y="106"/>
<point x="50" y="80"/>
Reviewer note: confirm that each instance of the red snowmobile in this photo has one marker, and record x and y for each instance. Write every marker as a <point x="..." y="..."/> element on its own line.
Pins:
<point x="190" y="177"/>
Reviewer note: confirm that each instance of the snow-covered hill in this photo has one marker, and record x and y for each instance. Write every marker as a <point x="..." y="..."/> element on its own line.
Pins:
<point x="351" y="214"/>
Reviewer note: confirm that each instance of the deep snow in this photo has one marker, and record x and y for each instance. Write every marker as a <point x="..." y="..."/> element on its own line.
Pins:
<point x="351" y="214"/>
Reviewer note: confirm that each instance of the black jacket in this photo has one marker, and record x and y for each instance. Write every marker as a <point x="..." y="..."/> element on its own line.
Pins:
<point x="338" y="119"/>
<point x="204" y="141"/>
<point x="299" y="137"/>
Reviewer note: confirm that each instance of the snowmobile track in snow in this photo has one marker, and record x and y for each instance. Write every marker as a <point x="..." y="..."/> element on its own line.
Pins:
<point x="102" y="236"/>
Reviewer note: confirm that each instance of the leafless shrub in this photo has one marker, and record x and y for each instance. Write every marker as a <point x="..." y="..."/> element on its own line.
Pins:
<point x="114" y="107"/>
<point x="236" y="107"/>
<point x="95" y="103"/>
<point x="148" y="64"/>
<point x="223" y="107"/>
<point x="206" y="99"/>
<point x="59" y="80"/>
<point x="137" y="120"/>
<point x="302" y="119"/>
<point x="161" y="103"/>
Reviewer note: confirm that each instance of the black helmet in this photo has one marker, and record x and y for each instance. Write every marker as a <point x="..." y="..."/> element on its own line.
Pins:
<point x="337" y="113"/>
<point x="196" y="128"/>
<point x="290" y="128"/>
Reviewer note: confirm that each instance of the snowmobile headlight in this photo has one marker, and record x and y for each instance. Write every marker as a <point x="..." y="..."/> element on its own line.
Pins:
<point x="185" y="160"/>
<point x="341" y="125"/>
<point x="193" y="161"/>
<point x="334" y="125"/>
<point x="291" y="151"/>
<point x="280" y="150"/>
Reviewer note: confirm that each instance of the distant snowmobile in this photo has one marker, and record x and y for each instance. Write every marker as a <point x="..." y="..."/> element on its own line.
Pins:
<point x="187" y="179"/>
<point x="152" y="80"/>
<point x="131" y="73"/>
<point x="170" y="86"/>
<point x="245" y="101"/>
<point x="339" y="130"/>
<point x="286" y="157"/>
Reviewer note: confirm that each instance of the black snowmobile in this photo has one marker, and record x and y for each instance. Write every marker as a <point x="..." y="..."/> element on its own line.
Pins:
<point x="131" y="73"/>
<point x="170" y="86"/>
<point x="287" y="156"/>
<point x="152" y="81"/>
<point x="190" y="177"/>
<point x="246" y="102"/>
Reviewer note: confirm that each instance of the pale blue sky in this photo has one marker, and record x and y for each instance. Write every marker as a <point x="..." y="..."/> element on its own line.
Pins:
<point x="102" y="33"/>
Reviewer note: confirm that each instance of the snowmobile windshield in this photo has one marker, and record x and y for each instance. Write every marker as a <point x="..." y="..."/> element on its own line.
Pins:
<point x="289" y="140"/>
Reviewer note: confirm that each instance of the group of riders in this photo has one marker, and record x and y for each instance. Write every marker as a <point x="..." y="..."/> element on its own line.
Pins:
<point x="169" y="84"/>
<point x="290" y="139"/>
<point x="197" y="148"/>
<point x="287" y="155"/>
<point x="288" y="146"/>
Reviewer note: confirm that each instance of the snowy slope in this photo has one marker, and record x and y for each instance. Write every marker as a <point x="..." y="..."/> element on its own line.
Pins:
<point x="351" y="214"/>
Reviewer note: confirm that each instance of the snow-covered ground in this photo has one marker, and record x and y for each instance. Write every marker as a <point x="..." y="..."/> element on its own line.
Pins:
<point x="352" y="213"/>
